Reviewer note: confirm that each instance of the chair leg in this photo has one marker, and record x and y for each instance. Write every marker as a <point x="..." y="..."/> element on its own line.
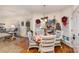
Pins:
<point x="40" y="51"/>
<point x="28" y="50"/>
<point x="54" y="50"/>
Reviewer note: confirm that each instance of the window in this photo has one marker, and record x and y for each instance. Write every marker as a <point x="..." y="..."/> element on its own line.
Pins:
<point x="22" y="23"/>
<point x="28" y="24"/>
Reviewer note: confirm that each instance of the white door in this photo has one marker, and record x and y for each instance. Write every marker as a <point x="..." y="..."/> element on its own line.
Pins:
<point x="23" y="29"/>
<point x="75" y="31"/>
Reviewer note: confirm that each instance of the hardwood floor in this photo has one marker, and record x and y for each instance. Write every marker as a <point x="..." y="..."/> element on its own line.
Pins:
<point x="24" y="44"/>
<point x="63" y="49"/>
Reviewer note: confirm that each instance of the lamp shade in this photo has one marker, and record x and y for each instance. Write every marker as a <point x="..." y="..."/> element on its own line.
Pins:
<point x="13" y="26"/>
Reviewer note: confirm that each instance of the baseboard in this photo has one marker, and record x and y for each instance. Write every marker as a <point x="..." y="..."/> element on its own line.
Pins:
<point x="68" y="44"/>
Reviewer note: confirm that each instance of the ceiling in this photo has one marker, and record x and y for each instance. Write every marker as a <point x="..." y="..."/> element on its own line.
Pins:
<point x="34" y="8"/>
<point x="46" y="8"/>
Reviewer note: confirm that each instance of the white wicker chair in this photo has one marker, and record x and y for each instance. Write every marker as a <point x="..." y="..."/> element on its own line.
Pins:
<point x="32" y="43"/>
<point x="58" y="38"/>
<point x="47" y="44"/>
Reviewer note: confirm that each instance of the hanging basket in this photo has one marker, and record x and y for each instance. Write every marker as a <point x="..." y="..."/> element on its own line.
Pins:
<point x="64" y="20"/>
<point x="38" y="21"/>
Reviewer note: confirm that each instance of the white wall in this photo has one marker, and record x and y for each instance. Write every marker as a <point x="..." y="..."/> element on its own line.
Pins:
<point x="13" y="16"/>
<point x="34" y="17"/>
<point x="68" y="13"/>
<point x="67" y="29"/>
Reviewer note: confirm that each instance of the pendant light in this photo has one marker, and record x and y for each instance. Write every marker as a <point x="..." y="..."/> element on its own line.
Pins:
<point x="44" y="18"/>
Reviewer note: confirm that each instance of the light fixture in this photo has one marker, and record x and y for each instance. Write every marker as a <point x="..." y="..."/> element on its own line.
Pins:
<point x="45" y="20"/>
<point x="13" y="26"/>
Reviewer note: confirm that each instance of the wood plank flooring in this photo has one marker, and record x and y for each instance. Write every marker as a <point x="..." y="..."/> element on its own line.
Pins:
<point x="24" y="44"/>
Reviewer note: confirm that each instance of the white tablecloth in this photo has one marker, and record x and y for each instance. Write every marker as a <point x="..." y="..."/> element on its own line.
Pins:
<point x="2" y="35"/>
